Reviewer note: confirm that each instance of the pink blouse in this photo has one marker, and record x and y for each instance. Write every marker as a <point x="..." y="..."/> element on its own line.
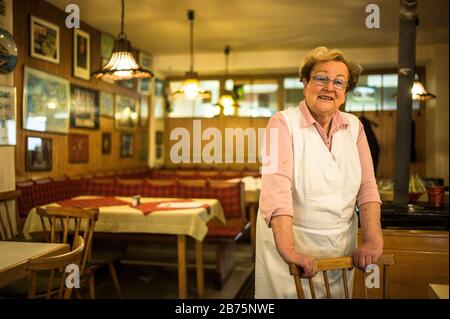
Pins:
<point x="276" y="189"/>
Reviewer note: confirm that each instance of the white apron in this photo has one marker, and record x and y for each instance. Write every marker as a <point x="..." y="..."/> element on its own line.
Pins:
<point x="324" y="189"/>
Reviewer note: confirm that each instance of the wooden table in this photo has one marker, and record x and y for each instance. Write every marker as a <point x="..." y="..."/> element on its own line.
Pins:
<point x="14" y="257"/>
<point x="125" y="219"/>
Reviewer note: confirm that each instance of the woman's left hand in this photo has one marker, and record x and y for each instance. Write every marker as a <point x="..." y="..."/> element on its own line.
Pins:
<point x="367" y="253"/>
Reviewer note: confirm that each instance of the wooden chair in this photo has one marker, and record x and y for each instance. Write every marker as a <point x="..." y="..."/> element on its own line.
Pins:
<point x="54" y="264"/>
<point x="56" y="224"/>
<point x="6" y="223"/>
<point x="341" y="263"/>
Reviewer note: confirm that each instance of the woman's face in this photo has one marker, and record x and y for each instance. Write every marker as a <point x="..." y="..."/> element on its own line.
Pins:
<point x="325" y="99"/>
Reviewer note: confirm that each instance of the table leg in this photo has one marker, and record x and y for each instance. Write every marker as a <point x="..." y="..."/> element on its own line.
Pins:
<point x="182" y="279"/>
<point x="252" y="216"/>
<point x="199" y="268"/>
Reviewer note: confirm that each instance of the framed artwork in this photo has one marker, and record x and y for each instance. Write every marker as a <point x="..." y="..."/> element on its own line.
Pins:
<point x="84" y="109"/>
<point x="106" y="104"/>
<point x="44" y="40"/>
<point x="38" y="154"/>
<point x="106" y="45"/>
<point x="7" y="115"/>
<point x="81" y="54"/>
<point x="145" y="60"/>
<point x="143" y="148"/>
<point x="6" y="15"/>
<point x="143" y="111"/>
<point x="106" y="143"/>
<point x="46" y="102"/>
<point x="128" y="84"/>
<point x="126" y="116"/>
<point x="159" y="87"/>
<point x="126" y="145"/>
<point x="78" y="148"/>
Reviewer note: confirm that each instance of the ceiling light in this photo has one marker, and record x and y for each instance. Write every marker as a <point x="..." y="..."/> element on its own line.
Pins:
<point x="226" y="101"/>
<point x="122" y="65"/>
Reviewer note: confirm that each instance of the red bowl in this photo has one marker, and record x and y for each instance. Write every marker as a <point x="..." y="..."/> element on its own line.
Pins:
<point x="413" y="197"/>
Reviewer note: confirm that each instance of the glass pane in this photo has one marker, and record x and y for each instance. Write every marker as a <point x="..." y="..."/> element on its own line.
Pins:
<point x="159" y="107"/>
<point x="181" y="106"/>
<point x="257" y="98"/>
<point x="293" y="92"/>
<point x="367" y="94"/>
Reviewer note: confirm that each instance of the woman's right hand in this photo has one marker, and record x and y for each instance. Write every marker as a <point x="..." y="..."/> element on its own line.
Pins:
<point x="308" y="265"/>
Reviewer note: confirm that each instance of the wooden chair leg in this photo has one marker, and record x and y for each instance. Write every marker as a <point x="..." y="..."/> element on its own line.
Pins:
<point x="91" y="286"/>
<point x="115" y="280"/>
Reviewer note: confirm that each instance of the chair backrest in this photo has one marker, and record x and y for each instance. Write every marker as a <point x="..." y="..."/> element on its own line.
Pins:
<point x="55" y="264"/>
<point x="6" y="223"/>
<point x="343" y="264"/>
<point x="58" y="222"/>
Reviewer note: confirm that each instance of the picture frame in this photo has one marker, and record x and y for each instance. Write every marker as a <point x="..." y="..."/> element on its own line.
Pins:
<point x="78" y="148"/>
<point x="106" y="143"/>
<point x="46" y="102"/>
<point x="8" y="113"/>
<point x="44" y="39"/>
<point x="159" y="87"/>
<point x="126" y="145"/>
<point x="126" y="112"/>
<point x="84" y="108"/>
<point x="81" y="54"/>
<point x="106" y="104"/>
<point x="38" y="154"/>
<point x="144" y="85"/>
<point x="144" y="112"/>
<point x="106" y="45"/>
<point x="6" y="15"/>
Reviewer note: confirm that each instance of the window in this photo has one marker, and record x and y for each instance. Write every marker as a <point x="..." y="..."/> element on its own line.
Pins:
<point x="181" y="106"/>
<point x="256" y="98"/>
<point x="293" y="91"/>
<point x="374" y="92"/>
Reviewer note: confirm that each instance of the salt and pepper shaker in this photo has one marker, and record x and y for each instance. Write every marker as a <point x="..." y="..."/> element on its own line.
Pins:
<point x="136" y="200"/>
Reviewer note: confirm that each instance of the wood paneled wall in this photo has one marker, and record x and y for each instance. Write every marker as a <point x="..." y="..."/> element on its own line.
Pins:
<point x="385" y="134"/>
<point x="221" y="123"/>
<point x="23" y="9"/>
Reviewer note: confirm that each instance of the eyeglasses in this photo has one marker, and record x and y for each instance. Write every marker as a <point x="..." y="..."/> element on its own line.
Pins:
<point x="323" y="80"/>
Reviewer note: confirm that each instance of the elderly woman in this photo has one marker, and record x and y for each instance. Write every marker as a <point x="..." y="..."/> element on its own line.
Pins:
<point x="324" y="170"/>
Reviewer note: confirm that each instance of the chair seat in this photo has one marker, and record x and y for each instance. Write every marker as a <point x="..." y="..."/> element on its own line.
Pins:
<point x="19" y="288"/>
<point x="224" y="232"/>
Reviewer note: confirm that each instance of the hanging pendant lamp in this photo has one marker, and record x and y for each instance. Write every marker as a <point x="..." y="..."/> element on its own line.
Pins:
<point x="191" y="84"/>
<point x="226" y="102"/>
<point x="122" y="65"/>
<point x="418" y="91"/>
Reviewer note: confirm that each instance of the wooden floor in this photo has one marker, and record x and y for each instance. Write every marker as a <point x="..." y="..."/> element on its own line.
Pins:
<point x="149" y="271"/>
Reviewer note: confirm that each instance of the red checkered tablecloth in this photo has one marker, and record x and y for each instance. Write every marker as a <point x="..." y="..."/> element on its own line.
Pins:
<point x="148" y="208"/>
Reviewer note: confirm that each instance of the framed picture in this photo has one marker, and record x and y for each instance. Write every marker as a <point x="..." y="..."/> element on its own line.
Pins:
<point x="159" y="87"/>
<point x="106" y="104"/>
<point x="106" y="45"/>
<point x="81" y="54"/>
<point x="46" y="102"/>
<point x="44" y="40"/>
<point x="7" y="115"/>
<point x="143" y="147"/>
<point x="126" y="145"/>
<point x="38" y="154"/>
<point x="143" y="111"/>
<point x="84" y="109"/>
<point x="6" y="15"/>
<point x="106" y="143"/>
<point x="78" y="148"/>
<point x="145" y="60"/>
<point x="126" y="116"/>
<point x="128" y="84"/>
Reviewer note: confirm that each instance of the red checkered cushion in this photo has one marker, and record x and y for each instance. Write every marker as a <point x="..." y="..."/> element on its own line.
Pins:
<point x="161" y="189"/>
<point x="193" y="189"/>
<point x="229" y="195"/>
<point x="163" y="174"/>
<point x="224" y="232"/>
<point x="27" y="201"/>
<point x="43" y="191"/>
<point x="130" y="188"/>
<point x="75" y="187"/>
<point x="60" y="188"/>
<point x="105" y="187"/>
